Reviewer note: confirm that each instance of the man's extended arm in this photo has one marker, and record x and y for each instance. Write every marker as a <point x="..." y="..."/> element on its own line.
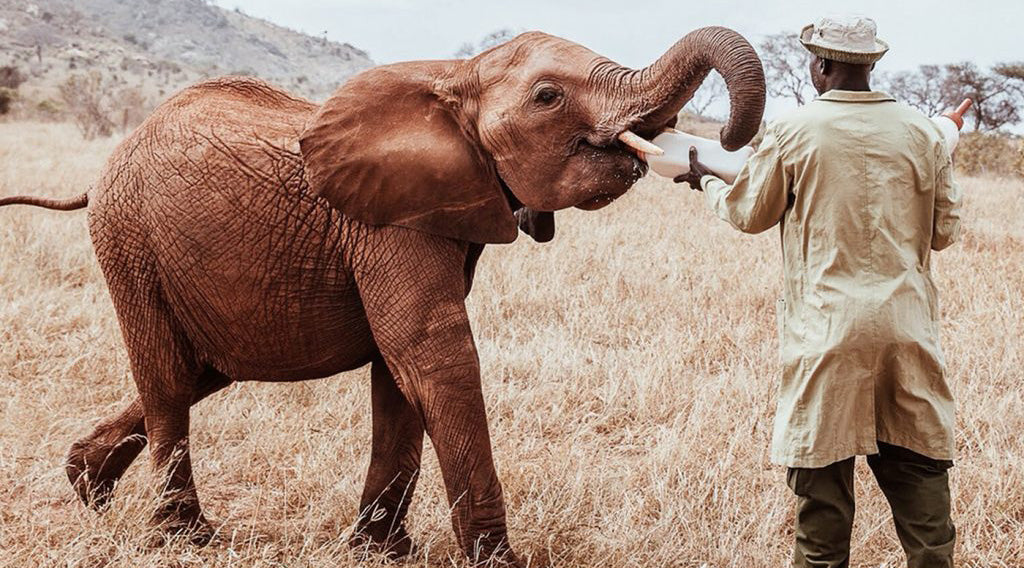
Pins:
<point x="758" y="198"/>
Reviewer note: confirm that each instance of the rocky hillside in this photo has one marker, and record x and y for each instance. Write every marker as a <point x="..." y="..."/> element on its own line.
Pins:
<point x="155" y="47"/>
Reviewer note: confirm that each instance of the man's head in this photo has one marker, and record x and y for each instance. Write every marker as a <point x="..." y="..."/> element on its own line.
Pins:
<point x="845" y="50"/>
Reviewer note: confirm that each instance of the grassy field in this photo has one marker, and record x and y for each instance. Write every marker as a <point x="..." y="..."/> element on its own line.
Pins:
<point x="629" y="368"/>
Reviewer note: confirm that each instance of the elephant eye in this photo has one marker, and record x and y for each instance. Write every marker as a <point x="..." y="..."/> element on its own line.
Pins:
<point x="547" y="96"/>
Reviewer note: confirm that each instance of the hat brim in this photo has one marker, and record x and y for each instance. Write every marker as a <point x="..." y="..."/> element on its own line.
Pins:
<point x="835" y="53"/>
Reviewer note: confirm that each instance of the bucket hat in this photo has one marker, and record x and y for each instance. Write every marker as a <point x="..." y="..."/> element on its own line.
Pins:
<point x="848" y="39"/>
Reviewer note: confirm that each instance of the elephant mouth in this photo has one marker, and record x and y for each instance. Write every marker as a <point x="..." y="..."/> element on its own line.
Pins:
<point x="598" y="202"/>
<point x="635" y="169"/>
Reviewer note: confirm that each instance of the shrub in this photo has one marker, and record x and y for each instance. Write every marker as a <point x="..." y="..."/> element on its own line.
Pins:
<point x="991" y="153"/>
<point x="49" y="108"/>
<point x="133" y="105"/>
<point x="1020" y="158"/>
<point x="88" y="103"/>
<point x="7" y="97"/>
<point x="11" y="77"/>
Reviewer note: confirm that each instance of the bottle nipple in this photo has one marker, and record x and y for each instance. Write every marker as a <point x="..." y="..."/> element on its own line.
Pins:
<point x="957" y="116"/>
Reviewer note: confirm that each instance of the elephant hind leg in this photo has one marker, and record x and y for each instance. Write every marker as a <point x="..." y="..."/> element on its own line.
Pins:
<point x="167" y="372"/>
<point x="167" y="382"/>
<point x="96" y="462"/>
<point x="394" y="468"/>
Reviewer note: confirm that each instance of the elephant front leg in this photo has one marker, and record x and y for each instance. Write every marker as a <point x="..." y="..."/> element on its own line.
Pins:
<point x="413" y="289"/>
<point x="453" y="406"/>
<point x="394" y="468"/>
<point x="451" y="403"/>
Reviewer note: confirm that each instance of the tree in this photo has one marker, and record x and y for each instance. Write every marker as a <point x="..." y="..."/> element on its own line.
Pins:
<point x="86" y="100"/>
<point x="1013" y="71"/>
<point x="1013" y="76"/>
<point x="932" y="89"/>
<point x="997" y="94"/>
<point x="490" y="40"/>
<point x="38" y="35"/>
<point x="711" y="91"/>
<point x="787" y="67"/>
<point x="924" y="88"/>
<point x="11" y="77"/>
<point x="133" y="107"/>
<point x="7" y="98"/>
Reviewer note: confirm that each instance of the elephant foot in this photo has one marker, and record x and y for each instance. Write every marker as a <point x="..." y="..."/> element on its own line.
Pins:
<point x="483" y="553"/>
<point x="175" y="521"/>
<point x="394" y="546"/>
<point x="94" y="469"/>
<point x="506" y="560"/>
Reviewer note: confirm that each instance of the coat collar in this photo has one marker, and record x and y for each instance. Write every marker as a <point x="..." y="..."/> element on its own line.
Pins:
<point x="839" y="96"/>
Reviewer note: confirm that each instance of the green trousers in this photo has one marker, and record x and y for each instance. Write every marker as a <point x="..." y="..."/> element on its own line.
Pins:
<point x="917" y="488"/>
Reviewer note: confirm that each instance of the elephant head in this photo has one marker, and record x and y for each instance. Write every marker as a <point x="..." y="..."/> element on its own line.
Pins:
<point x="452" y="148"/>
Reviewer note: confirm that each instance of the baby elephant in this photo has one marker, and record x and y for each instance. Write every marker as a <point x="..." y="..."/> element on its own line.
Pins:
<point x="246" y="235"/>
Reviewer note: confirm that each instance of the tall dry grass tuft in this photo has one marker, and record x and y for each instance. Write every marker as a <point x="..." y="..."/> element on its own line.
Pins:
<point x="630" y="373"/>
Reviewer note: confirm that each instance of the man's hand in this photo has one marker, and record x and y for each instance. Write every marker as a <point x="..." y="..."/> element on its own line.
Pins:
<point x="697" y="171"/>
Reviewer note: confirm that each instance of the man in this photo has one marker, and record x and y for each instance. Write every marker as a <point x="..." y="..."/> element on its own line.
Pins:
<point x="862" y="188"/>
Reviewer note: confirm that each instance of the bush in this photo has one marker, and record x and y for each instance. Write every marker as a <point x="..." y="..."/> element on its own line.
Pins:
<point x="87" y="100"/>
<point x="11" y="77"/>
<point x="133" y="105"/>
<point x="1020" y="158"/>
<point x="49" y="108"/>
<point x="992" y="154"/>
<point x="7" y="97"/>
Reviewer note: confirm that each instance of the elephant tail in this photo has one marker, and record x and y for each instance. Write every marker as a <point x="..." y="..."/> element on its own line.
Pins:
<point x="71" y="204"/>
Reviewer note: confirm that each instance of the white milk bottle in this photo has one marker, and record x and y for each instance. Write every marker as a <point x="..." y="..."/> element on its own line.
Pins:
<point x="676" y="159"/>
<point x="950" y="124"/>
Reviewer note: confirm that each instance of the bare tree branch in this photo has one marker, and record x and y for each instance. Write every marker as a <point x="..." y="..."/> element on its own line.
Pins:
<point x="490" y="40"/>
<point x="712" y="90"/>
<point x="787" y="67"/>
<point x="997" y="94"/>
<point x="923" y="88"/>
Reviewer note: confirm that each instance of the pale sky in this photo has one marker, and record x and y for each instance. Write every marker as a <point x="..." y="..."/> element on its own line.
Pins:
<point x="635" y="33"/>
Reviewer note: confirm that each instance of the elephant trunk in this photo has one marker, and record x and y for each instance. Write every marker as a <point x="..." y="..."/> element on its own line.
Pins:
<point x="659" y="91"/>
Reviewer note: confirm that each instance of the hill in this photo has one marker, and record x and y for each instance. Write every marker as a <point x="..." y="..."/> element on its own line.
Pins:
<point x="159" y="46"/>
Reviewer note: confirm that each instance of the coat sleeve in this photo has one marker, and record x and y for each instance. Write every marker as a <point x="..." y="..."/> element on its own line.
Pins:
<point x="758" y="198"/>
<point x="948" y="198"/>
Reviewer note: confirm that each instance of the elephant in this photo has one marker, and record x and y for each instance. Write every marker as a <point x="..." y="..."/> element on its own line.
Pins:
<point x="248" y="235"/>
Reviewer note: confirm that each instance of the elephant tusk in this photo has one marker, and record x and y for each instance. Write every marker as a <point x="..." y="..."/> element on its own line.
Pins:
<point x="637" y="143"/>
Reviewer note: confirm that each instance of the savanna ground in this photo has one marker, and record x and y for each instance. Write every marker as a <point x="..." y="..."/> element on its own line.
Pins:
<point x="630" y="373"/>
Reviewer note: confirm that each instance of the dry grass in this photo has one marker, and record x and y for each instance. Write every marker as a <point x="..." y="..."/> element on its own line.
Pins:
<point x="630" y="372"/>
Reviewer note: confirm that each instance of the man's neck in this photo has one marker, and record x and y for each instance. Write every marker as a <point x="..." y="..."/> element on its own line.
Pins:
<point x="850" y="84"/>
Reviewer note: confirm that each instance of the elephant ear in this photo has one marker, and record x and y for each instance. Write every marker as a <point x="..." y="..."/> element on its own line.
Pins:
<point x="386" y="150"/>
